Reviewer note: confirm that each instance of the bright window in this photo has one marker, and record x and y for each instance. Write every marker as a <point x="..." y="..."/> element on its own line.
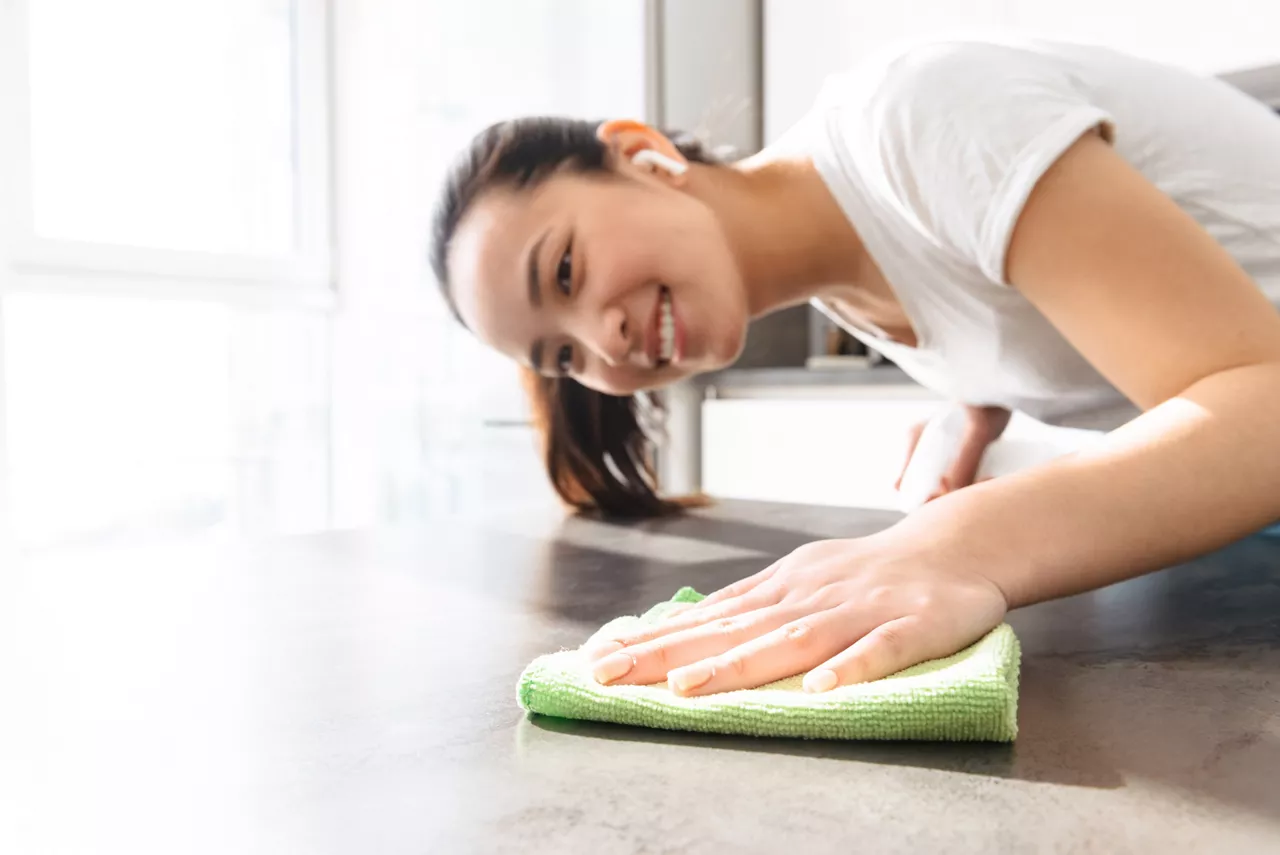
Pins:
<point x="163" y="124"/>
<point x="130" y="413"/>
<point x="173" y="358"/>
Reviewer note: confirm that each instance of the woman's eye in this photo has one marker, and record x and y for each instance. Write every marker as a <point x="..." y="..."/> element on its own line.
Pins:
<point x="564" y="273"/>
<point x="564" y="359"/>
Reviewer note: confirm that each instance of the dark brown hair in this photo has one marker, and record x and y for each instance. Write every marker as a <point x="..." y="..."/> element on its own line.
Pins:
<point x="598" y="448"/>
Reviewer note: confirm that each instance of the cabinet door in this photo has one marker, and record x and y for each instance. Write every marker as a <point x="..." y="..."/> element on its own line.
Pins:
<point x="849" y="451"/>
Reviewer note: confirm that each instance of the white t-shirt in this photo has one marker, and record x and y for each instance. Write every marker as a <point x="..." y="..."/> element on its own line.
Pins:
<point x="932" y="151"/>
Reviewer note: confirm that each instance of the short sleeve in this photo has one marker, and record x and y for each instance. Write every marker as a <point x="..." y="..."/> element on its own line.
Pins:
<point x="958" y="135"/>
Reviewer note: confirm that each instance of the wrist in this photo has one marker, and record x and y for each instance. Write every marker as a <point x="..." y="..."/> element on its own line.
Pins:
<point x="954" y="532"/>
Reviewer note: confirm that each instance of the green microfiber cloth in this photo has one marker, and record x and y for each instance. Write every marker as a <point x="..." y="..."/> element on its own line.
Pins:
<point x="970" y="696"/>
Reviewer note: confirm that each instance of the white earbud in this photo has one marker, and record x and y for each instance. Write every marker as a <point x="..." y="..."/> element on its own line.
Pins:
<point x="649" y="157"/>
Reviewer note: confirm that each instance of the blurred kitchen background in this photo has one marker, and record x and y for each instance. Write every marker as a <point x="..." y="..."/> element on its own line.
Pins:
<point x="215" y="311"/>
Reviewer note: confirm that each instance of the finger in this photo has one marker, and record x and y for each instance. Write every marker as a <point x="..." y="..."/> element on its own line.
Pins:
<point x="913" y="439"/>
<point x="786" y="651"/>
<point x="737" y="589"/>
<point x="757" y="599"/>
<point x="651" y="661"/>
<point x="677" y="609"/>
<point x="885" y="650"/>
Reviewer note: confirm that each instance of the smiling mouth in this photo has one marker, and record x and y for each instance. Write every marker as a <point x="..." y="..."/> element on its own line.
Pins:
<point x="666" y="329"/>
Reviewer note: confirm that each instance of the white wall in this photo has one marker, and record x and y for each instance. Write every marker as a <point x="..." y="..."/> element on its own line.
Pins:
<point x="806" y="40"/>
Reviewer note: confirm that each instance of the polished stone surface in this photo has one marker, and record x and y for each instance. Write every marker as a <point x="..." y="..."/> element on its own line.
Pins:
<point x="354" y="693"/>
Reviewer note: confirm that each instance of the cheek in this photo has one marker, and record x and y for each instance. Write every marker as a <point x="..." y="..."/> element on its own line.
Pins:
<point x="657" y="240"/>
<point x="613" y="381"/>
<point x="716" y="308"/>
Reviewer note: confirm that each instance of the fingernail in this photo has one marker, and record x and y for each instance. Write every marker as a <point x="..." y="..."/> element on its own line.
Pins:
<point x="613" y="667"/>
<point x="822" y="680"/>
<point x="688" y="679"/>
<point x="602" y="648"/>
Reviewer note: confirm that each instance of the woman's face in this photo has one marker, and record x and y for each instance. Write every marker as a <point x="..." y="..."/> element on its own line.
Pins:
<point x="621" y="280"/>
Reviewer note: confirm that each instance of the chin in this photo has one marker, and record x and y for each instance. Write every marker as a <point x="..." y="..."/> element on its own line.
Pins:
<point x="722" y="344"/>
<point x="731" y="348"/>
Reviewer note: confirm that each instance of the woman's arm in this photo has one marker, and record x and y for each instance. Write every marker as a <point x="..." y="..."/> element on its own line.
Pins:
<point x="1161" y="310"/>
<point x="1167" y="316"/>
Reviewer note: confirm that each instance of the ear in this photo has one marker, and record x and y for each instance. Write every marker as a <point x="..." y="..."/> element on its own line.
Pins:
<point x="626" y="138"/>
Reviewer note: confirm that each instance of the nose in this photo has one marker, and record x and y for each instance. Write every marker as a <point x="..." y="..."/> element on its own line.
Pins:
<point x="612" y="337"/>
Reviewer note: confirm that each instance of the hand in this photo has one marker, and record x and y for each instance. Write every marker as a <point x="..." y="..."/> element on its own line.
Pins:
<point x="983" y="427"/>
<point x="845" y="611"/>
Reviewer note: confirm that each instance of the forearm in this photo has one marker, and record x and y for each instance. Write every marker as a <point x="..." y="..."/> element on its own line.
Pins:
<point x="1188" y="476"/>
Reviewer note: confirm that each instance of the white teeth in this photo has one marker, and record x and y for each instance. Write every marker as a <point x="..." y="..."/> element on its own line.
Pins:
<point x="667" y="329"/>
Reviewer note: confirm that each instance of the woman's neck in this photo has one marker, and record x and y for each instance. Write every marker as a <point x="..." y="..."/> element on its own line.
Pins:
<point x="791" y="239"/>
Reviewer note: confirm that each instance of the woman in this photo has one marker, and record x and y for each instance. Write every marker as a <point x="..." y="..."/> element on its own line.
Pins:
<point x="1047" y="228"/>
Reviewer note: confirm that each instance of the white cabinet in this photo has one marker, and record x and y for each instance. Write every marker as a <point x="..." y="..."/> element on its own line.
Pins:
<point x="845" y="446"/>
<point x="844" y="452"/>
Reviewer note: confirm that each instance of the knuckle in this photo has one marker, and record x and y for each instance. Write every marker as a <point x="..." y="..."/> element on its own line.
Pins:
<point x="727" y="626"/>
<point x="892" y="640"/>
<point x="925" y="604"/>
<point x="812" y="551"/>
<point x="643" y="641"/>
<point x="880" y="595"/>
<point x="657" y="655"/>
<point x="770" y="593"/>
<point x="733" y="666"/>
<point x="799" y="634"/>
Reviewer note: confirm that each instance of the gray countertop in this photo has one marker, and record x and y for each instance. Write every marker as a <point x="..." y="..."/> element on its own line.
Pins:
<point x="354" y="693"/>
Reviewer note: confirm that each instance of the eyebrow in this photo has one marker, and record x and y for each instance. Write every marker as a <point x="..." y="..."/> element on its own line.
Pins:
<point x="535" y="280"/>
<point x="535" y="297"/>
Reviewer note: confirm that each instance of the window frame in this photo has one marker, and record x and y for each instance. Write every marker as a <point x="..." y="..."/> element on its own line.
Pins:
<point x="303" y="279"/>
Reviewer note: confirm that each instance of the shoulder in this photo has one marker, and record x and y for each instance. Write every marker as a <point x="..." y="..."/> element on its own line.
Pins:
<point x="953" y="134"/>
<point x="945" y="80"/>
<point x="929" y="107"/>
